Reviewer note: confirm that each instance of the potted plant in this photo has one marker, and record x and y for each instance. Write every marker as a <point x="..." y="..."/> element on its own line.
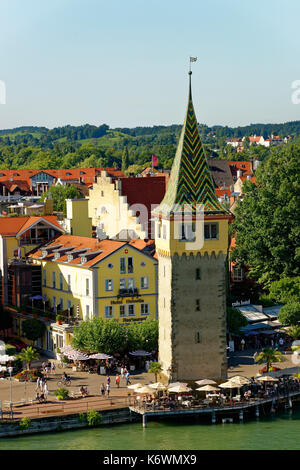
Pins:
<point x="59" y="319"/>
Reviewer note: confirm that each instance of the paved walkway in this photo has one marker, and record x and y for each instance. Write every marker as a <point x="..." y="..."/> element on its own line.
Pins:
<point x="242" y="363"/>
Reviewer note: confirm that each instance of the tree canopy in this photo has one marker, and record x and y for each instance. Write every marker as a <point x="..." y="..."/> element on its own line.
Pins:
<point x="59" y="194"/>
<point x="33" y="328"/>
<point x="290" y="314"/>
<point x="267" y="219"/>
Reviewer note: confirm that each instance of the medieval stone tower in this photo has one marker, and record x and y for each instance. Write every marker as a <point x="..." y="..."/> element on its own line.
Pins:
<point x="191" y="242"/>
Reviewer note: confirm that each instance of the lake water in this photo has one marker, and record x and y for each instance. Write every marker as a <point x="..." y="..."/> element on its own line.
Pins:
<point x="281" y="431"/>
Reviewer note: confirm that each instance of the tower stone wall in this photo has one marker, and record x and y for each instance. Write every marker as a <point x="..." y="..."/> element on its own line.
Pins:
<point x="192" y="313"/>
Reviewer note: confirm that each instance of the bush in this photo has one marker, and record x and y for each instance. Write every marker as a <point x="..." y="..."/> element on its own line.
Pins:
<point x="10" y="349"/>
<point x="266" y="301"/>
<point x="32" y="374"/>
<point x="93" y="418"/>
<point x="25" y="423"/>
<point x="61" y="393"/>
<point x="81" y="417"/>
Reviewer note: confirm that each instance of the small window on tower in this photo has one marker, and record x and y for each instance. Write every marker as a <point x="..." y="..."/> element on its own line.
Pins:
<point x="197" y="337"/>
<point x="198" y="274"/>
<point x="198" y="305"/>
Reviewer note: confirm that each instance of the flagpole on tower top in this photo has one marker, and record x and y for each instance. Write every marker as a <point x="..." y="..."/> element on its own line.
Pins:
<point x="192" y="59"/>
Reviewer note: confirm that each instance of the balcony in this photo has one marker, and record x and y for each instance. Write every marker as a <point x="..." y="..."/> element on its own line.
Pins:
<point x="33" y="241"/>
<point x="133" y="292"/>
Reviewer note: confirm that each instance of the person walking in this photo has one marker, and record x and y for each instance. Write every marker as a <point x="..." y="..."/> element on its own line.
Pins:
<point x="127" y="376"/>
<point x="37" y="383"/>
<point x="41" y="385"/>
<point x="107" y="389"/>
<point x="108" y="380"/>
<point x="118" y="380"/>
<point x="53" y="367"/>
<point x="243" y="344"/>
<point x="102" y="390"/>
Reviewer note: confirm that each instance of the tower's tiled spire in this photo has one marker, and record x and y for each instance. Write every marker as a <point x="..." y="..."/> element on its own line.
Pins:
<point x="190" y="180"/>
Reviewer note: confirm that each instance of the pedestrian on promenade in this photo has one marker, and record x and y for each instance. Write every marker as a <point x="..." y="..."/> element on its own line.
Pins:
<point x="122" y="372"/>
<point x="37" y="383"/>
<point x="127" y="376"/>
<point x="53" y="367"/>
<point x="242" y="344"/>
<point x="102" y="390"/>
<point x="107" y="389"/>
<point x="118" y="380"/>
<point x="108" y="379"/>
<point x="41" y="384"/>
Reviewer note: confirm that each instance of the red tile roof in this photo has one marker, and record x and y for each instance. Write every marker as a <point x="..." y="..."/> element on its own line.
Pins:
<point x="245" y="167"/>
<point x="106" y="247"/>
<point x="13" y="226"/>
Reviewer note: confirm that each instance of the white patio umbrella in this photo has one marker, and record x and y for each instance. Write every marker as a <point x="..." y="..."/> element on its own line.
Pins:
<point x="208" y="388"/>
<point x="100" y="356"/>
<point x="135" y="386"/>
<point x="205" y="382"/>
<point x="158" y="386"/>
<point x="267" y="378"/>
<point x="239" y="380"/>
<point x="229" y="385"/>
<point x="175" y="384"/>
<point x="144" y="389"/>
<point x="179" y="389"/>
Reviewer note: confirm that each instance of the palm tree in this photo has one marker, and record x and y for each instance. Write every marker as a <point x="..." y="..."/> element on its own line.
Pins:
<point x="29" y="354"/>
<point x="268" y="356"/>
<point x="294" y="332"/>
<point x="155" y="368"/>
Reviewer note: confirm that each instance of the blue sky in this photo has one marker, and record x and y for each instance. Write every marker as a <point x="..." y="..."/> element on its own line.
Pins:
<point x="125" y="63"/>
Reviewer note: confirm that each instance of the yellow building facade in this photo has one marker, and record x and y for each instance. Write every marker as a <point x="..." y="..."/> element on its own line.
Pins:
<point x="107" y="279"/>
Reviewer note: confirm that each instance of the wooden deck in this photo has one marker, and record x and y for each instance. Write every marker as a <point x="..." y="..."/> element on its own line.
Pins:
<point x="239" y="408"/>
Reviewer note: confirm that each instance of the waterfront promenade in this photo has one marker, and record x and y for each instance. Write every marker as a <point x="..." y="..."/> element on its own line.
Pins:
<point x="242" y="364"/>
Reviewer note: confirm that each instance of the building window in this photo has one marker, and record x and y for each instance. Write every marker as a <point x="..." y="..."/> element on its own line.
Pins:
<point x="198" y="305"/>
<point x="211" y="231"/>
<point x="53" y="280"/>
<point x="108" y="284"/>
<point x="198" y="274"/>
<point x="54" y="303"/>
<point x="131" y="310"/>
<point x="145" y="309"/>
<point x="187" y="232"/>
<point x="122" y="284"/>
<point x="131" y="284"/>
<point x="69" y="282"/>
<point x="61" y="304"/>
<point x="164" y="232"/>
<point x="144" y="282"/>
<point x="164" y="271"/>
<point x="122" y="310"/>
<point x="109" y="313"/>
<point x="60" y="281"/>
<point x="44" y="277"/>
<point x="122" y="266"/>
<point x="87" y="287"/>
<point x="238" y="274"/>
<point x="69" y="304"/>
<point x="87" y="312"/>
<point x="130" y="264"/>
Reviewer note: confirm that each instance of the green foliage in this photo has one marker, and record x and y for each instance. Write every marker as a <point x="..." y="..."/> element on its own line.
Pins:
<point x="294" y="332"/>
<point x="267" y="219"/>
<point x="285" y="290"/>
<point x="235" y="320"/>
<point x="81" y="417"/>
<point x="61" y="393"/>
<point x="59" y="194"/>
<point x="25" y="423"/>
<point x="266" y="301"/>
<point x="99" y="335"/>
<point x="28" y="355"/>
<point x="33" y="328"/>
<point x="268" y="356"/>
<point x="10" y="349"/>
<point x="143" y="336"/>
<point x="290" y="314"/>
<point x="93" y="418"/>
<point x="155" y="368"/>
